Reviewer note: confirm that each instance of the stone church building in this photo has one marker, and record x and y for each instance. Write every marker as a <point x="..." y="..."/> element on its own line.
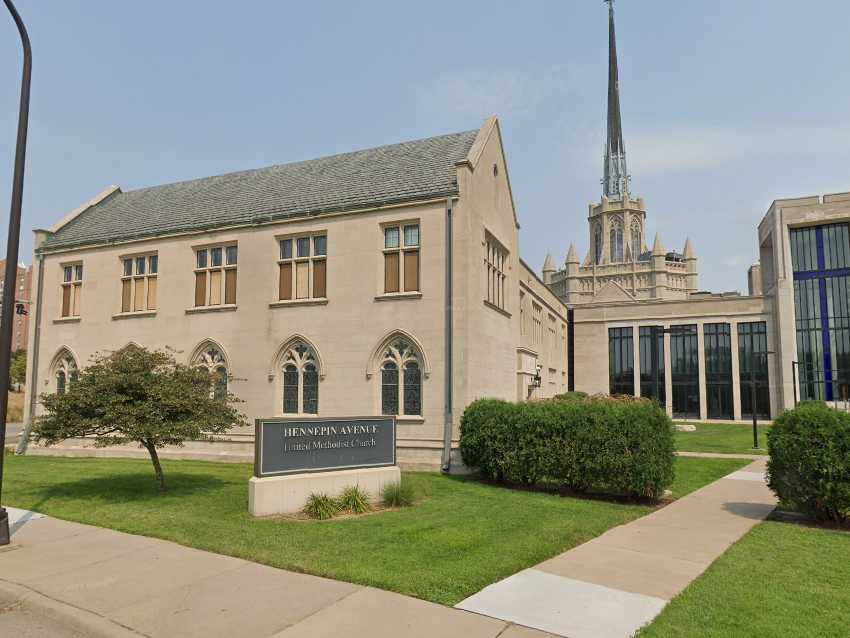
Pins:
<point x="389" y="281"/>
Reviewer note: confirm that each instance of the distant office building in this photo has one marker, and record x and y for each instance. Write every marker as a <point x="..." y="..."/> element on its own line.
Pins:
<point x="23" y="283"/>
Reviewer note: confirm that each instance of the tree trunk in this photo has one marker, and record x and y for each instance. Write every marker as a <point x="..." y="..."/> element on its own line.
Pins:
<point x="157" y="468"/>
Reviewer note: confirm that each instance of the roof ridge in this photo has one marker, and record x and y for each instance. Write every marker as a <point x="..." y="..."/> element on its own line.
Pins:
<point x="247" y="171"/>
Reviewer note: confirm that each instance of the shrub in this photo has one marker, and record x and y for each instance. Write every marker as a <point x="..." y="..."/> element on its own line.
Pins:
<point x="809" y="464"/>
<point x="399" y="494"/>
<point x="571" y="396"/>
<point x="354" y="500"/>
<point x="595" y="443"/>
<point x="321" y="506"/>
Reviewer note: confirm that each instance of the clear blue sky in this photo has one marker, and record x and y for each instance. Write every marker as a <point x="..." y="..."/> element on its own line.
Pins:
<point x="727" y="104"/>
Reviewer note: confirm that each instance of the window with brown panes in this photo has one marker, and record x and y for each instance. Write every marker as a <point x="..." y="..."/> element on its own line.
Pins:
<point x="495" y="266"/>
<point x="72" y="289"/>
<point x="303" y="264"/>
<point x="138" y="283"/>
<point x="401" y="258"/>
<point x="215" y="275"/>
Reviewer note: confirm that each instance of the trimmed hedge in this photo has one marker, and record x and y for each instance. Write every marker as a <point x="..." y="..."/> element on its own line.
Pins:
<point x="600" y="444"/>
<point x="809" y="464"/>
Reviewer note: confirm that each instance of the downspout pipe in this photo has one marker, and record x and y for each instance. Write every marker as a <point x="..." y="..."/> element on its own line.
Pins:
<point x="449" y="327"/>
<point x="23" y="441"/>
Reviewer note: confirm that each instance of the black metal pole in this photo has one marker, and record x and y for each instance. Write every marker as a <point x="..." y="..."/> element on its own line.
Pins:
<point x="10" y="285"/>
<point x="753" y="395"/>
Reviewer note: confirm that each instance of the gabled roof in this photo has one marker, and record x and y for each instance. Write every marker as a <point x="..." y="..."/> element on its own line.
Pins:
<point x="398" y="173"/>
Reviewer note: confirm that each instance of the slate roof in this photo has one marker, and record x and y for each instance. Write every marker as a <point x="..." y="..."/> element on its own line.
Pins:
<point x="397" y="173"/>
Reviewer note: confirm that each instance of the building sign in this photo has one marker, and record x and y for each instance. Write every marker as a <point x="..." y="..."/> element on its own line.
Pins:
<point x="290" y="446"/>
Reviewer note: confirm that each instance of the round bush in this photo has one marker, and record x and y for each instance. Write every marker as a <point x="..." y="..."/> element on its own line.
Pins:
<point x="809" y="464"/>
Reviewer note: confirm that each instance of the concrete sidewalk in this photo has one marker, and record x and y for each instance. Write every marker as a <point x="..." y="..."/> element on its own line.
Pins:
<point x="614" y="584"/>
<point x="66" y="579"/>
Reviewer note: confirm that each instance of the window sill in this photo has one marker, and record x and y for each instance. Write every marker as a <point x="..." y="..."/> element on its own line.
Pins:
<point x="393" y="296"/>
<point x="136" y="313"/>
<point x="221" y="308"/>
<point x="501" y="311"/>
<point x="283" y="303"/>
<point x="67" y="320"/>
<point x="409" y="420"/>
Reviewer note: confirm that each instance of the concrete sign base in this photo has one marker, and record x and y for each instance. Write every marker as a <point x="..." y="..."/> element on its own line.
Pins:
<point x="288" y="494"/>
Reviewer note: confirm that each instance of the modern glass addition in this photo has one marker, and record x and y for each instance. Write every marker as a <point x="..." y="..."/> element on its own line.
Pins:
<point x="621" y="361"/>
<point x="718" y="371"/>
<point x="684" y="371"/>
<point x="820" y="256"/>
<point x="752" y="364"/>
<point x="652" y="363"/>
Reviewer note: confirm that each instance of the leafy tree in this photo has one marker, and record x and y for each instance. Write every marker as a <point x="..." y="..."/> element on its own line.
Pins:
<point x="18" y="367"/>
<point x="138" y="395"/>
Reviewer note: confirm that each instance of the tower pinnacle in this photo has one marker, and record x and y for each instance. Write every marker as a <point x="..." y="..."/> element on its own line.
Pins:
<point x="615" y="182"/>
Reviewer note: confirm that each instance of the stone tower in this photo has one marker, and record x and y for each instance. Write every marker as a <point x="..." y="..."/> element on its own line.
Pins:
<point x="618" y="259"/>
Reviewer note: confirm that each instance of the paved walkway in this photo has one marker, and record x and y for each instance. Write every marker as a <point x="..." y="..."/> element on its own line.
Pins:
<point x="616" y="583"/>
<point x="66" y="579"/>
<point x="723" y="455"/>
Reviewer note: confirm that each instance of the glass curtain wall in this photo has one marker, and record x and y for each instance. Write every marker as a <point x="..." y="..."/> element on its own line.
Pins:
<point x="820" y="256"/>
<point x="718" y="370"/>
<point x="652" y="363"/>
<point x="752" y="366"/>
<point x="684" y="364"/>
<point x="621" y="362"/>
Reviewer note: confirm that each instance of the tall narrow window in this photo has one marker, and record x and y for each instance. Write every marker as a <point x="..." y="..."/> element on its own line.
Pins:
<point x="302" y="267"/>
<point x="536" y="323"/>
<point x="212" y="360"/>
<point x="820" y="256"/>
<point x="65" y="372"/>
<point x="753" y="370"/>
<point x="616" y="239"/>
<point x="718" y="370"/>
<point x="597" y="244"/>
<point x="652" y="363"/>
<point x="495" y="269"/>
<point x="72" y="289"/>
<point x="138" y="283"/>
<point x="636" y="240"/>
<point x="215" y="275"/>
<point x="621" y="361"/>
<point x="401" y="380"/>
<point x="401" y="258"/>
<point x="300" y="380"/>
<point x="684" y="372"/>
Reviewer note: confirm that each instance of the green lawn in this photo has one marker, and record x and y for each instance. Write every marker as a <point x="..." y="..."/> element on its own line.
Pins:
<point x="779" y="581"/>
<point x="725" y="438"/>
<point x="464" y="536"/>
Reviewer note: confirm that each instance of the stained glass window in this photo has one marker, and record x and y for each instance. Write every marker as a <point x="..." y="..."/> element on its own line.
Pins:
<point x="412" y="388"/>
<point x="290" y="389"/>
<point x="311" y="389"/>
<point x="389" y="388"/>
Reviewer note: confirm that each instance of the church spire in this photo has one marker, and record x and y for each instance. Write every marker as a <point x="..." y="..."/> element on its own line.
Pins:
<point x="615" y="182"/>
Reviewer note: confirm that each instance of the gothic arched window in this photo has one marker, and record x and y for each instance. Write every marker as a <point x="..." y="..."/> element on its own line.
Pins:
<point x="211" y="358"/>
<point x="616" y="241"/>
<point x="401" y="379"/>
<point x="65" y="371"/>
<point x="300" y="380"/>
<point x="636" y="240"/>
<point x="597" y="244"/>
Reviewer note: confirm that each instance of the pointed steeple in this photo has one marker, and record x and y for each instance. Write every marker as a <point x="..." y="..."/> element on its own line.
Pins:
<point x="572" y="257"/>
<point x="657" y="248"/>
<point x="615" y="181"/>
<point x="549" y="264"/>
<point x="688" y="252"/>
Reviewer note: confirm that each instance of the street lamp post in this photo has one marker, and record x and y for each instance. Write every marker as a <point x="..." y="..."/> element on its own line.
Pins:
<point x="753" y="405"/>
<point x="8" y="308"/>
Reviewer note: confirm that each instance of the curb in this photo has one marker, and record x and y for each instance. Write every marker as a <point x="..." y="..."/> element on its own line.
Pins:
<point x="85" y="622"/>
